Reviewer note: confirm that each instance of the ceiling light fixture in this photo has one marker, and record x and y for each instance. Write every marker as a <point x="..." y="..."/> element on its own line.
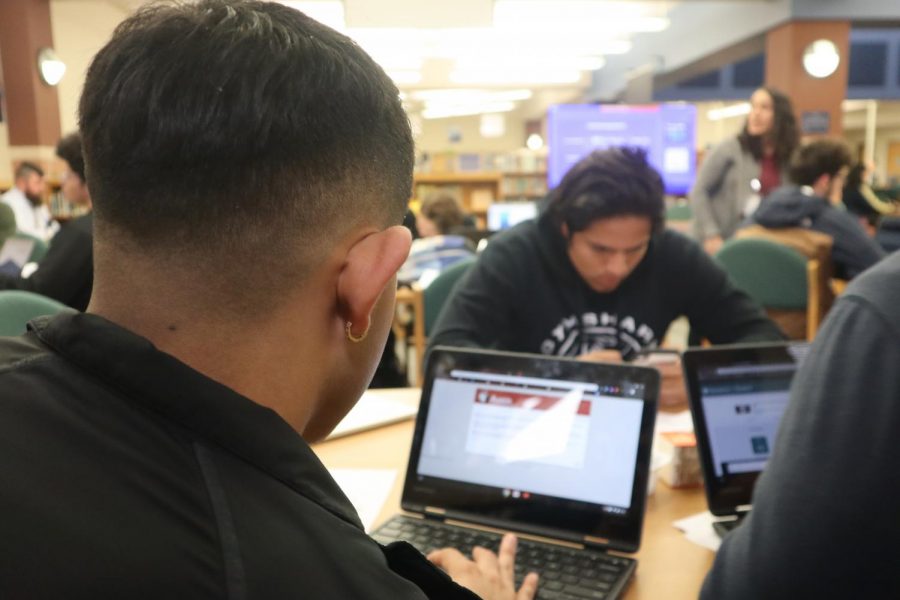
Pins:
<point x="50" y="67"/>
<point x="821" y="58"/>
<point x="463" y="111"/>
<point x="727" y="112"/>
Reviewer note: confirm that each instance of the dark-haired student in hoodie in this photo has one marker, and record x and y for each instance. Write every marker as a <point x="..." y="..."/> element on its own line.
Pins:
<point x="819" y="169"/>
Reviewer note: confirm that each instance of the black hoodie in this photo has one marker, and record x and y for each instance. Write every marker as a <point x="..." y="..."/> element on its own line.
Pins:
<point x="525" y="295"/>
<point x="790" y="206"/>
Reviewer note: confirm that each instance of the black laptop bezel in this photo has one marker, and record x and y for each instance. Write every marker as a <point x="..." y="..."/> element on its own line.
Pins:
<point x="560" y="519"/>
<point x="733" y="496"/>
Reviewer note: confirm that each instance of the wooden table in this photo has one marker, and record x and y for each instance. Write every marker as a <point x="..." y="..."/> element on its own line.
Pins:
<point x="669" y="566"/>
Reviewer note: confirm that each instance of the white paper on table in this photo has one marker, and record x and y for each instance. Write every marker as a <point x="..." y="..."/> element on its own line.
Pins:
<point x="374" y="410"/>
<point x="699" y="530"/>
<point x="367" y="490"/>
<point x="680" y="421"/>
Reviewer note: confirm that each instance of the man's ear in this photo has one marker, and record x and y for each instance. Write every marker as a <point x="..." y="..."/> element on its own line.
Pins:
<point x="369" y="266"/>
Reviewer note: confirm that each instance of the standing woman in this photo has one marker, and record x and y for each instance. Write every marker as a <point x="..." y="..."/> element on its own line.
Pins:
<point x="740" y="171"/>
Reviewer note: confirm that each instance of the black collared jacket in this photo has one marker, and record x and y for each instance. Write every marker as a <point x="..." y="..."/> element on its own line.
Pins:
<point x="124" y="473"/>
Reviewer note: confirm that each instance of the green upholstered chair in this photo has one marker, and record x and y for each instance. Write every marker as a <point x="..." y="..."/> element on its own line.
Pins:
<point x="38" y="249"/>
<point x="779" y="278"/>
<point x="427" y="304"/>
<point x="18" y="307"/>
<point x="7" y="222"/>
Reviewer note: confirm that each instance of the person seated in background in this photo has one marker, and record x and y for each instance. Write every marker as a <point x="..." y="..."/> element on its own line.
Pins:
<point x="825" y="509"/>
<point x="66" y="273"/>
<point x="859" y="199"/>
<point x="598" y="271"/>
<point x="26" y="198"/>
<point x="437" y="247"/>
<point x="249" y="169"/>
<point x="818" y="170"/>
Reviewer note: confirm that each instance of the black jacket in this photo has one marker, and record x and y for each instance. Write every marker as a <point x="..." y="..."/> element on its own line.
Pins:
<point x="126" y="474"/>
<point x="790" y="206"/>
<point x="827" y="507"/>
<point x="525" y="295"/>
<point x="66" y="273"/>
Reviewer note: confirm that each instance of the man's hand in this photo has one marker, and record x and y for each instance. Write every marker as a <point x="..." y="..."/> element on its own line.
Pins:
<point x="490" y="576"/>
<point x="712" y="244"/>
<point x="672" y="391"/>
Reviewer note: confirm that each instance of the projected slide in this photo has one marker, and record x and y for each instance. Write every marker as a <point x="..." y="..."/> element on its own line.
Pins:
<point x="666" y="131"/>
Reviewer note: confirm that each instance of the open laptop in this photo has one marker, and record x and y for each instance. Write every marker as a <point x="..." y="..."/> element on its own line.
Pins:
<point x="737" y="396"/>
<point x="555" y="450"/>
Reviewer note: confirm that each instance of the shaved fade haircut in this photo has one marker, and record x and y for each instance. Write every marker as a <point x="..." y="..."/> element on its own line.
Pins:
<point x="244" y="135"/>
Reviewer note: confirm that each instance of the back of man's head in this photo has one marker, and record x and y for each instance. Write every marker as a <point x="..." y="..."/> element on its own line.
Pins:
<point x="69" y="149"/>
<point x="824" y="156"/>
<point x="27" y="168"/>
<point x="243" y="137"/>
<point x="608" y="183"/>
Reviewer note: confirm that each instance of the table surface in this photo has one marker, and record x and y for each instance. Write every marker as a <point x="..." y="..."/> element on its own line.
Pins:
<point x="669" y="566"/>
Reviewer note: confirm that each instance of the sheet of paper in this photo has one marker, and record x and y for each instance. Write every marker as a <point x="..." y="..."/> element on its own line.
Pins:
<point x="367" y="489"/>
<point x="699" y="530"/>
<point x="680" y="421"/>
<point x="374" y="410"/>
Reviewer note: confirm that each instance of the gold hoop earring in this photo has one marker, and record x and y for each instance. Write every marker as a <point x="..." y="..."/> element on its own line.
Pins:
<point x="353" y="338"/>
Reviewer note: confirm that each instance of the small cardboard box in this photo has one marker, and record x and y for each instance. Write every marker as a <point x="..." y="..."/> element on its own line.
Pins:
<point x="683" y="471"/>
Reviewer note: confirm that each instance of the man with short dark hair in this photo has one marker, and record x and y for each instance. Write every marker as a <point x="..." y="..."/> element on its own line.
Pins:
<point x="66" y="272"/>
<point x="26" y="198"/>
<point x="597" y="270"/>
<point x="818" y="170"/>
<point x="249" y="169"/>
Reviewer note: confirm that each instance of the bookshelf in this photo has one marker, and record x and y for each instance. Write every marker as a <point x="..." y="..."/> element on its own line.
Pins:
<point x="479" y="180"/>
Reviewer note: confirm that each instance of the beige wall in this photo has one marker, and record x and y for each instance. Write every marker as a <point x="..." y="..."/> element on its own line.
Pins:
<point x="434" y="134"/>
<point x="80" y="29"/>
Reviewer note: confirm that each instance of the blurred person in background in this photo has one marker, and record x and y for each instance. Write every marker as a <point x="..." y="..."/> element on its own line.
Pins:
<point x="860" y="199"/>
<point x="742" y="170"/>
<point x="440" y="217"/>
<point x="819" y="170"/>
<point x="26" y="199"/>
<point x="66" y="273"/>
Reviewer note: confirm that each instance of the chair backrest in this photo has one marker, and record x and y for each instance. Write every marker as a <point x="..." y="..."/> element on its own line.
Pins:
<point x="18" y="307"/>
<point x="7" y="221"/>
<point x="439" y="290"/>
<point x="772" y="274"/>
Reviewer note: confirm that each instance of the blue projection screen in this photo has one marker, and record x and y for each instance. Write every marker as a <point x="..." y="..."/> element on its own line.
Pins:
<point x="666" y="131"/>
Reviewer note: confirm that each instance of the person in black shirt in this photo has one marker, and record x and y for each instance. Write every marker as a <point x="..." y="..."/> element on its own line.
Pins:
<point x="598" y="271"/>
<point x="249" y="169"/>
<point x="66" y="273"/>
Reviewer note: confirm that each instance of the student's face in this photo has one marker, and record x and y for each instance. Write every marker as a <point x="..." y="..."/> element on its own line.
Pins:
<point x="608" y="250"/>
<point x="74" y="190"/>
<point x="762" y="113"/>
<point x="836" y="188"/>
<point x="33" y="188"/>
<point x="425" y="226"/>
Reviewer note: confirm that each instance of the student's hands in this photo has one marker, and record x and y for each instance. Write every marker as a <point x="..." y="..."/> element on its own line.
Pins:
<point x="490" y="576"/>
<point x="672" y="391"/>
<point x="712" y="244"/>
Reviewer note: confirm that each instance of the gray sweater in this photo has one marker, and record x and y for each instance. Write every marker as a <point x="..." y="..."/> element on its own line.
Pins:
<point x="722" y="189"/>
<point x="826" y="518"/>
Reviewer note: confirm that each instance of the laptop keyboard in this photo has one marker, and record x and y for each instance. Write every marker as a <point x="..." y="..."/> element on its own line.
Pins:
<point x="565" y="573"/>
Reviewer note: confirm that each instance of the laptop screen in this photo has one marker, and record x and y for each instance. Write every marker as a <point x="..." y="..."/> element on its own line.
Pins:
<point x="551" y="446"/>
<point x="738" y="395"/>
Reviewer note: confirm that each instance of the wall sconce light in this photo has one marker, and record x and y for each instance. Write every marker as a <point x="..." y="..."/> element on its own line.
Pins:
<point x="821" y="58"/>
<point x="50" y="67"/>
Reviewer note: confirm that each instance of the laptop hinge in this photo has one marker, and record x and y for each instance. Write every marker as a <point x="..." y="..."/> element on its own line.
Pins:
<point x="434" y="512"/>
<point x="743" y="509"/>
<point x="595" y="542"/>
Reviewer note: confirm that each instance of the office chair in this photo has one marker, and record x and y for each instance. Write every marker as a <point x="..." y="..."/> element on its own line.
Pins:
<point x="427" y="305"/>
<point x="787" y="285"/>
<point x="18" y="307"/>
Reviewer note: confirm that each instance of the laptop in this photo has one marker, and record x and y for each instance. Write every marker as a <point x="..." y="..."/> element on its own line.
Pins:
<point x="553" y="449"/>
<point x="737" y="396"/>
